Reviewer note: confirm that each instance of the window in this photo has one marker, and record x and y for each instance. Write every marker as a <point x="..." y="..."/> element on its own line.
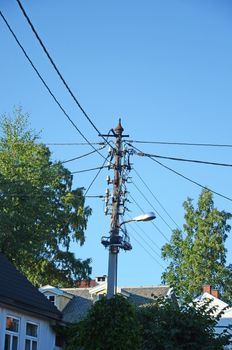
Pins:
<point x="31" y="340"/>
<point x="12" y="333"/>
<point x="52" y="299"/>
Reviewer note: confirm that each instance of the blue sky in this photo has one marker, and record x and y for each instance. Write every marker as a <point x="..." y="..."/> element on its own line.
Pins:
<point x="164" y="67"/>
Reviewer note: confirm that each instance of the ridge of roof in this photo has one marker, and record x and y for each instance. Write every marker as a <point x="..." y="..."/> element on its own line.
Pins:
<point x="152" y="286"/>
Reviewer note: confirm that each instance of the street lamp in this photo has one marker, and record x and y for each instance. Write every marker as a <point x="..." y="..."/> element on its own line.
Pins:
<point x="145" y="217"/>
<point x="116" y="242"/>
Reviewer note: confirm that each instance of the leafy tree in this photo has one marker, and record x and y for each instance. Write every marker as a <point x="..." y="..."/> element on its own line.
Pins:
<point x="40" y="213"/>
<point x="111" y="324"/>
<point x="116" y="324"/>
<point x="197" y="254"/>
<point x="167" y="326"/>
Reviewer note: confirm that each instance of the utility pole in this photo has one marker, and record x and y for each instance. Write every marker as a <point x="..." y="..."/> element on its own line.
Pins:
<point x="115" y="241"/>
<point x="114" y="225"/>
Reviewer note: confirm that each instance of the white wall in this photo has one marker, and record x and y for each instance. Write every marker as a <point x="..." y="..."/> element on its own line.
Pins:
<point x="46" y="336"/>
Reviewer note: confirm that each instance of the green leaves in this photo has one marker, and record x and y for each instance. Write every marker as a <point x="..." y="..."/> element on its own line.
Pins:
<point x="110" y="325"/>
<point x="115" y="324"/>
<point x="197" y="254"/>
<point x="166" y="325"/>
<point x="40" y="213"/>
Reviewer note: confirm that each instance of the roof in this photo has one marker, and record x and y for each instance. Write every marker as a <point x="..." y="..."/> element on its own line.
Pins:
<point x="18" y="293"/>
<point x="84" y="298"/>
<point x="78" y="307"/>
<point x="145" y="295"/>
<point x="47" y="290"/>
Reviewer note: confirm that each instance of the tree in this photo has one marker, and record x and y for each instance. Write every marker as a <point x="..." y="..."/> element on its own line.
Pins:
<point x="111" y="324"/>
<point x="40" y="213"/>
<point x="197" y="254"/>
<point x="167" y="326"/>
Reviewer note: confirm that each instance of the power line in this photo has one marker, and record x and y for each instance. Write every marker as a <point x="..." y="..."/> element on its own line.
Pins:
<point x="142" y="238"/>
<point x="73" y="143"/>
<point x="157" y="228"/>
<point x="58" y="71"/>
<point x="144" y="233"/>
<point x="181" y="143"/>
<point x="59" y="143"/>
<point x="183" y="159"/>
<point x="45" y="84"/>
<point x="82" y="156"/>
<point x="185" y="177"/>
<point x="148" y="188"/>
<point x="147" y="251"/>
<point x="86" y="170"/>
<point x="96" y="176"/>
<point x="142" y="194"/>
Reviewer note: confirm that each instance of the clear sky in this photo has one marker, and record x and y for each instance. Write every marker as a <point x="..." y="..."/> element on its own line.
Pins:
<point x="164" y="67"/>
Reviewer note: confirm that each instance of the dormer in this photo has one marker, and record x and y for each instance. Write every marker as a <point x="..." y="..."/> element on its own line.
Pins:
<point x="56" y="296"/>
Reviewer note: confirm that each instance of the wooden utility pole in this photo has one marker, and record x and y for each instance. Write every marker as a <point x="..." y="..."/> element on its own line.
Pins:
<point x="114" y="225"/>
<point x="116" y="241"/>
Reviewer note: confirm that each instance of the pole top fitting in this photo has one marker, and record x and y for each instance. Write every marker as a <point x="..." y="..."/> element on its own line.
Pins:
<point x="119" y="129"/>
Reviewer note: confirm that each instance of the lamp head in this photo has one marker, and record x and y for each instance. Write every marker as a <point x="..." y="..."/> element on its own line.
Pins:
<point x="145" y="217"/>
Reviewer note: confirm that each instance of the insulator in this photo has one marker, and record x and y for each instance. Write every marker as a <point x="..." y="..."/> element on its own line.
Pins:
<point x="108" y="180"/>
<point x="107" y="192"/>
<point x="108" y="165"/>
<point x="106" y="210"/>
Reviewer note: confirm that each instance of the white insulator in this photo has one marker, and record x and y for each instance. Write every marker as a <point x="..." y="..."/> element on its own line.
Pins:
<point x="106" y="210"/>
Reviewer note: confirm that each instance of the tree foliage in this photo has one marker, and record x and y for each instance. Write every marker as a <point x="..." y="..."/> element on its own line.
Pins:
<point x="115" y="324"/>
<point x="167" y="326"/>
<point x="110" y="325"/>
<point x="40" y="213"/>
<point x="197" y="254"/>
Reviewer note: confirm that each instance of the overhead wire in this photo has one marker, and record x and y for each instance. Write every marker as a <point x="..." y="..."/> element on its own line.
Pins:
<point x="147" y="200"/>
<point x="142" y="154"/>
<point x="82" y="156"/>
<point x="87" y="170"/>
<point x="144" y="233"/>
<point x="157" y="228"/>
<point x="58" y="71"/>
<point x="45" y="84"/>
<point x="181" y="143"/>
<point x="160" y="204"/>
<point x="147" y="251"/>
<point x="97" y="174"/>
<point x="73" y="143"/>
<point x="183" y="176"/>
<point x="95" y="178"/>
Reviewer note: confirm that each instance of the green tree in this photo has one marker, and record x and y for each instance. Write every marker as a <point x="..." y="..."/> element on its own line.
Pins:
<point x="167" y="326"/>
<point x="197" y="254"/>
<point x="111" y="324"/>
<point x="40" y="213"/>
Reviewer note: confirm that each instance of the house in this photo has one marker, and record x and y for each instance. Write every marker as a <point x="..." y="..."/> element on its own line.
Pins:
<point x="208" y="293"/>
<point x="27" y="318"/>
<point x="75" y="302"/>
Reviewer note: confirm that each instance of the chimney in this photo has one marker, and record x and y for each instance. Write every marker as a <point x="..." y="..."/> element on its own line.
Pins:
<point x="206" y="288"/>
<point x="215" y="293"/>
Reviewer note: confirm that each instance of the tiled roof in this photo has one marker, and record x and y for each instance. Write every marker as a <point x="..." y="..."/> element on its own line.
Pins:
<point x="18" y="293"/>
